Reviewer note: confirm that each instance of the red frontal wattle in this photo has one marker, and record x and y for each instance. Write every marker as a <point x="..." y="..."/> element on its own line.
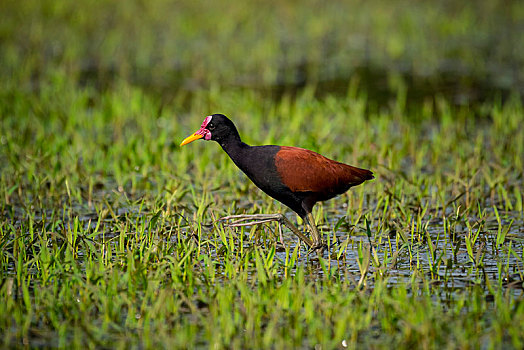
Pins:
<point x="206" y="121"/>
<point x="203" y="131"/>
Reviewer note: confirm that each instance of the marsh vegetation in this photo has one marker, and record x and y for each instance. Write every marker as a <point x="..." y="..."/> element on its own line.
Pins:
<point x="109" y="232"/>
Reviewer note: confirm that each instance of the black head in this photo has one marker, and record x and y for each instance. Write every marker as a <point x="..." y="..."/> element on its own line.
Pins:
<point x="216" y="127"/>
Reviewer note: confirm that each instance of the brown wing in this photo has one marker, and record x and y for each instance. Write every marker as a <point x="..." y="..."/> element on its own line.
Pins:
<point x="303" y="170"/>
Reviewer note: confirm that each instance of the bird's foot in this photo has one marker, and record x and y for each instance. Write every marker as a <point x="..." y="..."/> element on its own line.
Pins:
<point x="243" y="220"/>
<point x="319" y="248"/>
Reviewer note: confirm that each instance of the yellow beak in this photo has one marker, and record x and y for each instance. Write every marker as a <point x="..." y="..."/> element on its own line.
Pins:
<point x="191" y="138"/>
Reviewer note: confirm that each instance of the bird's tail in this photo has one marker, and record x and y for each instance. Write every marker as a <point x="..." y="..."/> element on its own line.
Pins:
<point x="360" y="175"/>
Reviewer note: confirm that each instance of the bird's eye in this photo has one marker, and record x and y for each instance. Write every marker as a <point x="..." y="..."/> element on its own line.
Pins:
<point x="210" y="127"/>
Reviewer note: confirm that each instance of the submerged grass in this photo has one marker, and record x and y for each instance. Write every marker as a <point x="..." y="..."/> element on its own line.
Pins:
<point x="109" y="232"/>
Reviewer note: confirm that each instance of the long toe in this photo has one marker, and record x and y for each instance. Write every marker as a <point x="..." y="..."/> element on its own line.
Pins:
<point x="319" y="248"/>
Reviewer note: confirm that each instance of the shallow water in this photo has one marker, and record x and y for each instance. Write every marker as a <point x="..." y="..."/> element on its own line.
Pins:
<point x="445" y="262"/>
<point x="450" y="266"/>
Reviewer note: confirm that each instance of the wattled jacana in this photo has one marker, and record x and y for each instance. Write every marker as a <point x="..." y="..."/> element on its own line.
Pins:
<point x="294" y="176"/>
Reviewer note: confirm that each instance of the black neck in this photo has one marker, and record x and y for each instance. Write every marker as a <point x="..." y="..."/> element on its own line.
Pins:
<point x="234" y="147"/>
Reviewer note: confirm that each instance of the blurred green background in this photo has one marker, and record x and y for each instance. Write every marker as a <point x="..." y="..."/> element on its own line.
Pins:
<point x="466" y="50"/>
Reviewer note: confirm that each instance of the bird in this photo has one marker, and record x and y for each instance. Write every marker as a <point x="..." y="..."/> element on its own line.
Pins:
<point x="296" y="177"/>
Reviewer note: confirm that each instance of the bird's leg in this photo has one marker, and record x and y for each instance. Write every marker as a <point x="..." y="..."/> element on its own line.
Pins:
<point x="240" y="220"/>
<point x="315" y="235"/>
<point x="280" y="234"/>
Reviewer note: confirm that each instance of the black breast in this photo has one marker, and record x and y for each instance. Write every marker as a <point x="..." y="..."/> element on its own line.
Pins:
<point x="258" y="163"/>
